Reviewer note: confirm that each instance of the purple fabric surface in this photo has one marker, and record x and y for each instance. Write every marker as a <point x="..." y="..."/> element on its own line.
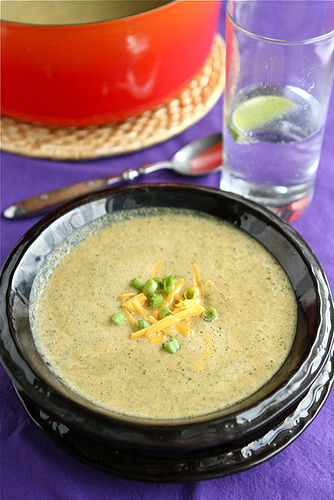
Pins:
<point x="32" y="467"/>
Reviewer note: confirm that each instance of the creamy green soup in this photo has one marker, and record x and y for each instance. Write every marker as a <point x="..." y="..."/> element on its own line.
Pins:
<point x="65" y="12"/>
<point x="218" y="363"/>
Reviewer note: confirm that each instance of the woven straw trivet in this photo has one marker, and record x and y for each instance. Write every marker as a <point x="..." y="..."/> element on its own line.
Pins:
<point x="132" y="134"/>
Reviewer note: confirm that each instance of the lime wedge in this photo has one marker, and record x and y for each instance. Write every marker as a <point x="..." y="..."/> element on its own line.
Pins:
<point x="259" y="110"/>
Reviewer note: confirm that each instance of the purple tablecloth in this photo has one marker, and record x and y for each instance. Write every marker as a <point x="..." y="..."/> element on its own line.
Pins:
<point x="32" y="467"/>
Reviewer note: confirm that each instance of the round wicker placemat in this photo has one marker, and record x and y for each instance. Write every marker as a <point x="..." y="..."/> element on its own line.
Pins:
<point x="132" y="134"/>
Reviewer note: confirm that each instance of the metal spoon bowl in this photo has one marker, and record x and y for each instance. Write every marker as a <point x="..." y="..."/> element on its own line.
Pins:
<point x="197" y="158"/>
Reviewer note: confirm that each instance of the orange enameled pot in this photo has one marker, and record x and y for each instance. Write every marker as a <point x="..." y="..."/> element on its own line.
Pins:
<point x="100" y="72"/>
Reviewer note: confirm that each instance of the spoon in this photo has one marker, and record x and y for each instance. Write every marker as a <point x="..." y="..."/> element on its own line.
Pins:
<point x="200" y="157"/>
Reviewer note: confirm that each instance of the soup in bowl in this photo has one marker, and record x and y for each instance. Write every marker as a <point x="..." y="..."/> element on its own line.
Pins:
<point x="167" y="332"/>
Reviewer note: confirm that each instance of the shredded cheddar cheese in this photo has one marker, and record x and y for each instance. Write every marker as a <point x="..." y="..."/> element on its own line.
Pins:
<point x="199" y="366"/>
<point x="171" y="296"/>
<point x="140" y="298"/>
<point x="167" y="321"/>
<point x="190" y="303"/>
<point x="198" y="279"/>
<point x="139" y="308"/>
<point x="157" y="339"/>
<point x="158" y="264"/>
<point x="178" y="297"/>
<point x="129" y="306"/>
<point x="139" y="304"/>
<point x="137" y="335"/>
<point x="130" y="318"/>
<point x="126" y="295"/>
<point x="187" y="332"/>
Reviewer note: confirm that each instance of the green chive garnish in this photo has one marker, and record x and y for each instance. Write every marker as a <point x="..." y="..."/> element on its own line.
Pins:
<point x="150" y="286"/>
<point x="160" y="284"/>
<point x="190" y="293"/>
<point x="156" y="299"/>
<point x="169" y="284"/>
<point x="142" y="323"/>
<point x="138" y="284"/>
<point x="210" y="314"/>
<point x="172" y="345"/>
<point x="165" y="311"/>
<point x="118" y="318"/>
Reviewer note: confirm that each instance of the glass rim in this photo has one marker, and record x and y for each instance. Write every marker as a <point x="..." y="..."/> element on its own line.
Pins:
<point x="301" y="41"/>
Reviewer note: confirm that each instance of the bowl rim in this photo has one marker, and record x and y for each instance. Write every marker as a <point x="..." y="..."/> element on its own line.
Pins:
<point x="211" y="429"/>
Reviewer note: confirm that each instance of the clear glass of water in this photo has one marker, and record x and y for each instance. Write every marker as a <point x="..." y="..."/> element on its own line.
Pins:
<point x="279" y="74"/>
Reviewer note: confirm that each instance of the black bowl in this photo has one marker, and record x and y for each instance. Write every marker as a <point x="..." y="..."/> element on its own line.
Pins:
<point x="209" y="446"/>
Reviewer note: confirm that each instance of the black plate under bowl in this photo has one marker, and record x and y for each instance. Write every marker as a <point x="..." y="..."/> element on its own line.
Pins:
<point x="209" y="446"/>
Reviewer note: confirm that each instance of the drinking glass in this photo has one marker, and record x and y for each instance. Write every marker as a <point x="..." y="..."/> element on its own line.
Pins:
<point x="279" y="73"/>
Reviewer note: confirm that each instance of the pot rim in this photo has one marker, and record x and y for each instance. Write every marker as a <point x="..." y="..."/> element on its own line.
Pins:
<point x="120" y="20"/>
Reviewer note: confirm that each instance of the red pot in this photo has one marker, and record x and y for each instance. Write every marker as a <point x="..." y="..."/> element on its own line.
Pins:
<point x="102" y="72"/>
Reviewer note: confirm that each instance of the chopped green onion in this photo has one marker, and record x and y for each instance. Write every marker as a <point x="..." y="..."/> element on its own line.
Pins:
<point x="156" y="299"/>
<point x="159" y="283"/>
<point x="172" y="345"/>
<point x="210" y="314"/>
<point x="138" y="284"/>
<point x="142" y="323"/>
<point x="118" y="318"/>
<point x="165" y="311"/>
<point x="169" y="284"/>
<point x="150" y="286"/>
<point x="190" y="293"/>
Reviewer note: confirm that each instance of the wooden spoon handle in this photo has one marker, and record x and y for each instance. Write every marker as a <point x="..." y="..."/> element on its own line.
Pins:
<point x="52" y="198"/>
